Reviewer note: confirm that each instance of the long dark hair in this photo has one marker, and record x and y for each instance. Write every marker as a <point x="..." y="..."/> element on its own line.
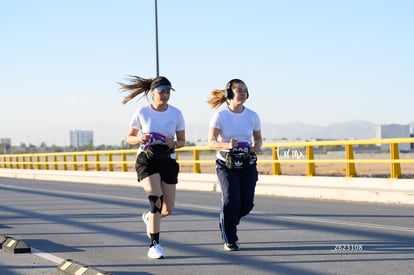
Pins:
<point x="137" y="85"/>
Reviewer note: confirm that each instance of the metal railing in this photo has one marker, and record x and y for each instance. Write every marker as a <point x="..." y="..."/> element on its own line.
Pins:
<point x="281" y="153"/>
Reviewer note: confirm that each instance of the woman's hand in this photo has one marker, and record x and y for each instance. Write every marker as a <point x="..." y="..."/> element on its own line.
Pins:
<point x="170" y="142"/>
<point x="144" y="138"/>
<point x="255" y="149"/>
<point x="233" y="143"/>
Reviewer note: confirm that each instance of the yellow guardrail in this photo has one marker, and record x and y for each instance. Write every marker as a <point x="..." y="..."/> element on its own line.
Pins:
<point x="283" y="152"/>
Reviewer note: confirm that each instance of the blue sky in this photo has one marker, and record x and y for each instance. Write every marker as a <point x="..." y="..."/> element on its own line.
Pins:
<point x="314" y="61"/>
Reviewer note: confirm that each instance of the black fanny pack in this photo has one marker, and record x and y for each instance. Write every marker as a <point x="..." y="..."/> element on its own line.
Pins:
<point x="238" y="160"/>
<point x="158" y="152"/>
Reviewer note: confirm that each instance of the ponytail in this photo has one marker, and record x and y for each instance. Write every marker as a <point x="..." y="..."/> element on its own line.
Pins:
<point x="137" y="86"/>
<point x="217" y="98"/>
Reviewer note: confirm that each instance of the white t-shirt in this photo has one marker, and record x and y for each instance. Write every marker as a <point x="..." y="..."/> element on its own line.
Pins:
<point x="236" y="125"/>
<point x="166" y="123"/>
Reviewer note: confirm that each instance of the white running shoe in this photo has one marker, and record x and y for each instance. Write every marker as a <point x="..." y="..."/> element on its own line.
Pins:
<point x="156" y="252"/>
<point x="231" y="246"/>
<point x="145" y="218"/>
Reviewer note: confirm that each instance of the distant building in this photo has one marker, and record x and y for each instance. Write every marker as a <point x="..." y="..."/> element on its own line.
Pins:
<point x="81" y="138"/>
<point x="394" y="131"/>
<point x="6" y="144"/>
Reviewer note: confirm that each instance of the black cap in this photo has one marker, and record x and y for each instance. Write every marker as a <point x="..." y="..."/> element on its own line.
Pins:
<point x="161" y="83"/>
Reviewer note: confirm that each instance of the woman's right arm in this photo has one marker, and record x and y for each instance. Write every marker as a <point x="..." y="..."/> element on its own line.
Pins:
<point x="132" y="137"/>
<point x="213" y="133"/>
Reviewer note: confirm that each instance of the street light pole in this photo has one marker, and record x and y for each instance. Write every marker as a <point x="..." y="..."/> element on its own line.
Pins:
<point x="156" y="39"/>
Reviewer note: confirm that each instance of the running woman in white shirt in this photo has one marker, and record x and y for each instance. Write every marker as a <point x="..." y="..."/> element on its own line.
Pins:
<point x="235" y="131"/>
<point x="159" y="128"/>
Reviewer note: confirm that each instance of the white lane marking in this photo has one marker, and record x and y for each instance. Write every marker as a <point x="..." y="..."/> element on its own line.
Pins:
<point x="349" y="223"/>
<point x="49" y="257"/>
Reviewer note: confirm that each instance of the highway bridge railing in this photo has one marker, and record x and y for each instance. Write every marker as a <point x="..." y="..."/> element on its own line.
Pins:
<point x="304" y="153"/>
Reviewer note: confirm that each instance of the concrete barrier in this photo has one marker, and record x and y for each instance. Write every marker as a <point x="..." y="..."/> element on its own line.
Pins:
<point x="376" y="190"/>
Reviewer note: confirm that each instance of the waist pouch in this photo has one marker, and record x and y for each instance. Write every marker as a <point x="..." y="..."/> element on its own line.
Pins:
<point x="158" y="152"/>
<point x="238" y="160"/>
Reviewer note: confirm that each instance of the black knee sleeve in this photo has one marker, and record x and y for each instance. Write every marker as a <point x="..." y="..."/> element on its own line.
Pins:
<point x="153" y="203"/>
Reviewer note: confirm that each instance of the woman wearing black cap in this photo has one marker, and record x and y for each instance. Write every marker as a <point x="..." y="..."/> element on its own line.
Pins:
<point x="159" y="128"/>
<point x="235" y="131"/>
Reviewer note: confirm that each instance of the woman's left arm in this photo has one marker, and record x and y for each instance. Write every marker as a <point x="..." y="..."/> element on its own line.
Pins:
<point x="257" y="141"/>
<point x="180" y="139"/>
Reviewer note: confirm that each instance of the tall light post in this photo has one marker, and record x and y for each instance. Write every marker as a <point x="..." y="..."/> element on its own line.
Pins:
<point x="156" y="39"/>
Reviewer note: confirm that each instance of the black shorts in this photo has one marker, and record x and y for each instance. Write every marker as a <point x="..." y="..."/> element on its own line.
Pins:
<point x="168" y="168"/>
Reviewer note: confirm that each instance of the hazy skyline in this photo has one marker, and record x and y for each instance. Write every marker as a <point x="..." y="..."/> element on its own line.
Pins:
<point x="314" y="61"/>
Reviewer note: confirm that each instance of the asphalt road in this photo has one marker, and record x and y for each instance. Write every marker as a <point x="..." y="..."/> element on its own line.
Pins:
<point x="100" y="226"/>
